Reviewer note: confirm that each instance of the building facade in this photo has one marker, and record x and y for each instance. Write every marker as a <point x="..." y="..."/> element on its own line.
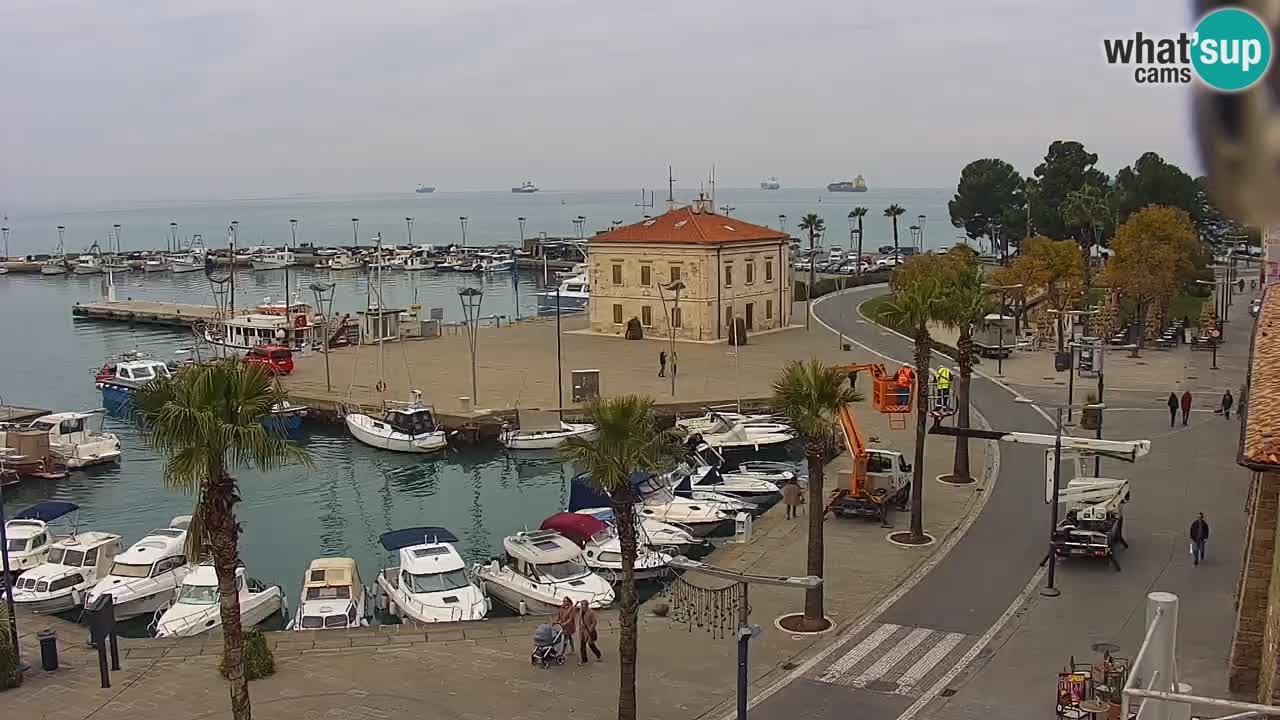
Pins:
<point x="723" y="268"/>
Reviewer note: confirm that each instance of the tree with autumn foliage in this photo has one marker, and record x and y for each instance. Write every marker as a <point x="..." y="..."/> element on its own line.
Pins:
<point x="1154" y="252"/>
<point x="1053" y="268"/>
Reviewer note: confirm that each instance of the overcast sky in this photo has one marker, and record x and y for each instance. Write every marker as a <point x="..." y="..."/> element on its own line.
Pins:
<point x="127" y="100"/>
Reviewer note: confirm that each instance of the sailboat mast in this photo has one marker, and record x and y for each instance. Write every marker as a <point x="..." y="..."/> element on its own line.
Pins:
<point x="382" y="355"/>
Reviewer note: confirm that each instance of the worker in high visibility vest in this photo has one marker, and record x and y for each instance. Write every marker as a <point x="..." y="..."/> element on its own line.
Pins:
<point x="905" y="376"/>
<point x="944" y="388"/>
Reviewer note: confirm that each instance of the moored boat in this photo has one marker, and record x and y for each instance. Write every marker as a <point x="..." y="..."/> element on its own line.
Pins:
<point x="77" y="439"/>
<point x="195" y="608"/>
<point x="541" y="568"/>
<point x="430" y="582"/>
<point x="572" y="293"/>
<point x="333" y="598"/>
<point x="541" y="430"/>
<point x="30" y="535"/>
<point x="72" y="567"/>
<point x="143" y="578"/>
<point x="602" y="549"/>
<point x="129" y="375"/>
<point x="275" y="260"/>
<point x="405" y="427"/>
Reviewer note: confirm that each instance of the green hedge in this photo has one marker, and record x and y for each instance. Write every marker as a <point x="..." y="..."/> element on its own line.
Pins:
<point x="827" y="285"/>
<point x="258" y="660"/>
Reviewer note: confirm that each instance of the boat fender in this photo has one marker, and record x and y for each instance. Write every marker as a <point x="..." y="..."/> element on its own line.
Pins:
<point x="524" y="610"/>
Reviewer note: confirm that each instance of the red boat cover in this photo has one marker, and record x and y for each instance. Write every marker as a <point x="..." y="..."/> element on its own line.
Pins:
<point x="575" y="526"/>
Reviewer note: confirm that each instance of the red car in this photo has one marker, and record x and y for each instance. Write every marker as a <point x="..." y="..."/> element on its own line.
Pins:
<point x="276" y="357"/>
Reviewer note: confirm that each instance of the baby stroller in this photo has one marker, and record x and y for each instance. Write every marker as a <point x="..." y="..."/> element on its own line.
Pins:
<point x="549" y="646"/>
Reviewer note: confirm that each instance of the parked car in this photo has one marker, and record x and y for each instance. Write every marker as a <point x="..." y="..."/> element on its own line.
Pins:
<point x="1255" y="307"/>
<point x="276" y="357"/>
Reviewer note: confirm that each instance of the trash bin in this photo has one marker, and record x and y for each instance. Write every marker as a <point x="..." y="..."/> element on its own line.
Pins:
<point x="48" y="649"/>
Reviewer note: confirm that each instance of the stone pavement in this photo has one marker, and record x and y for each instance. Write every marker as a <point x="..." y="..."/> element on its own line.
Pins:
<point x="482" y="670"/>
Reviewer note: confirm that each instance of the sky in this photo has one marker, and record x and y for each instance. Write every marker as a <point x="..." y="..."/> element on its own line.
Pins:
<point x="114" y="101"/>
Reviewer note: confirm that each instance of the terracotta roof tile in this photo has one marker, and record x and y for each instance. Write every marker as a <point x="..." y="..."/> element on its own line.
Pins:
<point x="1260" y="443"/>
<point x="683" y="225"/>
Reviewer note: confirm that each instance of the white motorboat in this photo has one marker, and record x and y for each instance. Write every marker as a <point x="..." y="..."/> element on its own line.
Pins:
<point x="30" y="536"/>
<point x="342" y="260"/>
<point x="577" y="269"/>
<point x="712" y="418"/>
<point x="155" y="264"/>
<point x="275" y="260"/>
<point x="431" y="583"/>
<point x="271" y="324"/>
<point x="333" y="598"/>
<point x="115" y="264"/>
<point x="541" y="430"/>
<point x="196" y="607"/>
<point x="726" y="435"/>
<point x="653" y="533"/>
<point x="72" y="567"/>
<point x="658" y="501"/>
<point x="143" y="578"/>
<point x="540" y="569"/>
<point x="777" y="473"/>
<point x="415" y="263"/>
<point x="87" y="265"/>
<point x="602" y="549"/>
<point x="708" y="478"/>
<point x="191" y="261"/>
<point x="572" y="294"/>
<point x="405" y="427"/>
<point x="54" y="266"/>
<point x="493" y="262"/>
<point x="77" y="438"/>
<point x="386" y="262"/>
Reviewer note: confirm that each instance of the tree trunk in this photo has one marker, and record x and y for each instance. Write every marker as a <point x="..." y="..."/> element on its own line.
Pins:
<point x="964" y="346"/>
<point x="223" y="532"/>
<point x="895" y="239"/>
<point x="922" y="416"/>
<point x="859" y="245"/>
<point x="624" y="509"/>
<point x="814" y="612"/>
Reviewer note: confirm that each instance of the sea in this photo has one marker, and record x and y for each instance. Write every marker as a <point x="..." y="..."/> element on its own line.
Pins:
<point x="353" y="493"/>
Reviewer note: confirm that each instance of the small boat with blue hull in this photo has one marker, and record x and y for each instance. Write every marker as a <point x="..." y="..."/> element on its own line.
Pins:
<point x="119" y="389"/>
<point x="286" y="418"/>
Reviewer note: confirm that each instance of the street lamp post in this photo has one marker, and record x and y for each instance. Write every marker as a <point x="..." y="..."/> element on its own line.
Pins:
<point x="355" y="232"/>
<point x="782" y="223"/>
<point x="293" y="245"/>
<point x="675" y="287"/>
<point x="116" y="228"/>
<point x="5" y="230"/>
<point x="235" y="242"/>
<point x="471" y="299"/>
<point x="1004" y="299"/>
<point x="173" y="236"/>
<point x="920" y="223"/>
<point x="324" y="303"/>
<point x="1071" y="348"/>
<point x="408" y="226"/>
<point x="462" y="220"/>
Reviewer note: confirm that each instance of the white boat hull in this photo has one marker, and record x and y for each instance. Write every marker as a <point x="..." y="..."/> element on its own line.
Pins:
<point x="52" y="270"/>
<point x="517" y="440"/>
<point x="82" y="455"/>
<point x="87" y="269"/>
<point x="157" y="267"/>
<point x="353" y="265"/>
<point x="378" y="434"/>
<point x="254" y="609"/>
<point x="44" y="603"/>
<point x="270" y="264"/>
<point x="432" y="608"/>
<point x="182" y="267"/>
<point x="517" y="592"/>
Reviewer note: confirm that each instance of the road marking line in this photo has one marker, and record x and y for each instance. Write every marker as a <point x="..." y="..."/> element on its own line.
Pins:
<point x="891" y="658"/>
<point x="1023" y="597"/>
<point x="859" y="651"/>
<point x="916" y="672"/>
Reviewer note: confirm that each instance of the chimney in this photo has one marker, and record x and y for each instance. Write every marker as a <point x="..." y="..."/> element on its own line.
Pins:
<point x="702" y="204"/>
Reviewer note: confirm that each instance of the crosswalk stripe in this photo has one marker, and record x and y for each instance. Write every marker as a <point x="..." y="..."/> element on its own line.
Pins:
<point x="916" y="672"/>
<point x="891" y="658"/>
<point x="859" y="651"/>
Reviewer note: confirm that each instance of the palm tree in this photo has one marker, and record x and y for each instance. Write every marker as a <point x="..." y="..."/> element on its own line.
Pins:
<point x="814" y="225"/>
<point x="859" y="213"/>
<point x="964" y="306"/>
<point x="892" y="212"/>
<point x="811" y="394"/>
<point x="915" y="306"/>
<point x="627" y="440"/>
<point x="207" y="420"/>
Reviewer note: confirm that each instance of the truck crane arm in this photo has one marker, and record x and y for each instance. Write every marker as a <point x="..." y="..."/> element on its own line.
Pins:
<point x="1126" y="450"/>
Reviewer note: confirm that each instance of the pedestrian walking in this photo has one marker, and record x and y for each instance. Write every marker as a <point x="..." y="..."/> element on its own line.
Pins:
<point x="791" y="498"/>
<point x="853" y="380"/>
<point x="588" y="630"/>
<point x="1186" y="406"/>
<point x="1173" y="408"/>
<point x="1199" y="535"/>
<point x="1227" y="402"/>
<point x="1240" y="284"/>
<point x="567" y="619"/>
<point x="662" y="363"/>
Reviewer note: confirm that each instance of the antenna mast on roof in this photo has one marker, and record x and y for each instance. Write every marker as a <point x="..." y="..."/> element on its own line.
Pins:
<point x="645" y="206"/>
<point x="671" y="190"/>
<point x="713" y="187"/>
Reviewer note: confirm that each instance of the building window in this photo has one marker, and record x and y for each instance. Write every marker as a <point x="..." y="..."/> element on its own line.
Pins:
<point x="646" y="315"/>
<point x="768" y="270"/>
<point x="728" y="276"/>
<point x="768" y="309"/>
<point x="675" y="273"/>
<point x="617" y="313"/>
<point x="617" y="274"/>
<point x="676" y="320"/>
<point x="751" y="271"/>
<point x="646" y="275"/>
<point x="751" y="316"/>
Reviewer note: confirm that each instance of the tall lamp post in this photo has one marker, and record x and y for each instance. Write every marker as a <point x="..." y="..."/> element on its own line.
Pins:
<point x="578" y="223"/>
<point x="1004" y="298"/>
<point x="917" y="236"/>
<point x="173" y="236"/>
<point x="293" y="245"/>
<point x="1215" y="332"/>
<point x="462" y="220"/>
<point x="355" y="233"/>
<point x="920" y="223"/>
<point x="5" y="230"/>
<point x="235" y="242"/>
<point x="471" y="299"/>
<point x="408" y="225"/>
<point x="782" y="223"/>
<point x="673" y="314"/>
<point x="324" y="303"/>
<point x="1071" y="346"/>
<point x="116" y="228"/>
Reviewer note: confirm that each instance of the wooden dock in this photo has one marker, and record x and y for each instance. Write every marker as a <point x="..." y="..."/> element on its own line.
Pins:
<point x="146" y="312"/>
<point x="19" y="414"/>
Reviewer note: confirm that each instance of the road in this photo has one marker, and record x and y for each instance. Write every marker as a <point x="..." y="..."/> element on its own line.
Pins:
<point x="973" y="638"/>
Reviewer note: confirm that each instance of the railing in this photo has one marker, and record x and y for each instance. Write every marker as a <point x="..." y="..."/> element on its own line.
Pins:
<point x="1162" y="696"/>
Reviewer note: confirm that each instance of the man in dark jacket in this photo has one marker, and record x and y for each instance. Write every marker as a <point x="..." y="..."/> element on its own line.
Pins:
<point x="1199" y="535"/>
<point x="1186" y="406"/>
<point x="1227" y="402"/>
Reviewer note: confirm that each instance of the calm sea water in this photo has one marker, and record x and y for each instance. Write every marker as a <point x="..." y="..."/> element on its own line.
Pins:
<point x="354" y="493"/>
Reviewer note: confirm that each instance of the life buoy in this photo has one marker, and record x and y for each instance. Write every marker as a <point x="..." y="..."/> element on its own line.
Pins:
<point x="300" y="321"/>
<point x="381" y="386"/>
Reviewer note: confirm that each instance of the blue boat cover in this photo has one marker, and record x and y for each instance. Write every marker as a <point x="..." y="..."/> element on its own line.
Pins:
<point x="47" y="511"/>
<point x="408" y="537"/>
<point x="582" y="494"/>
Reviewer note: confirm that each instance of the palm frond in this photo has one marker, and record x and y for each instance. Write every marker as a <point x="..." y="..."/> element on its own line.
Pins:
<point x="810" y="394"/>
<point x="626" y="441"/>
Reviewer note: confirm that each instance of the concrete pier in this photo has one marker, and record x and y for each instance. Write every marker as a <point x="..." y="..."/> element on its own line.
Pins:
<point x="146" y="312"/>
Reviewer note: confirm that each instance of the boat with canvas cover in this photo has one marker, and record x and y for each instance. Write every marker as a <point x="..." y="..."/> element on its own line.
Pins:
<point x="540" y="568"/>
<point x="602" y="548"/>
<point x="333" y="598"/>
<point x="71" y="569"/>
<point x="30" y="535"/>
<point x="430" y="584"/>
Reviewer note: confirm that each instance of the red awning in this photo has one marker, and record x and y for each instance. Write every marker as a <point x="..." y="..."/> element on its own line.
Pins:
<point x="575" y="526"/>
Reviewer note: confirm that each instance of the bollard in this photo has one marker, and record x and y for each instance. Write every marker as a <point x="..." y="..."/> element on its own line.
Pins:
<point x="48" y="649"/>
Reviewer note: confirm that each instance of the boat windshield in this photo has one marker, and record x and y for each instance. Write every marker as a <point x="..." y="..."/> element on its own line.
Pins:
<point x="566" y="570"/>
<point x="120" y="569"/>
<point x="438" y="582"/>
<point x="16" y="545"/>
<point x="198" y="594"/>
<point x="60" y="556"/>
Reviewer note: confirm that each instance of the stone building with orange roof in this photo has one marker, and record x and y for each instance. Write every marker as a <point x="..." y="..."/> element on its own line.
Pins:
<point x="723" y="268"/>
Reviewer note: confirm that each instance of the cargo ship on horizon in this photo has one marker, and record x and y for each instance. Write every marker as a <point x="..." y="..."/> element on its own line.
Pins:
<point x="858" y="184"/>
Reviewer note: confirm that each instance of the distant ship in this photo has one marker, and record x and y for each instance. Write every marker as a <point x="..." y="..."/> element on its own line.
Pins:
<point x="425" y="189"/>
<point x="525" y="187"/>
<point x="858" y="184"/>
<point x="770" y="184"/>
